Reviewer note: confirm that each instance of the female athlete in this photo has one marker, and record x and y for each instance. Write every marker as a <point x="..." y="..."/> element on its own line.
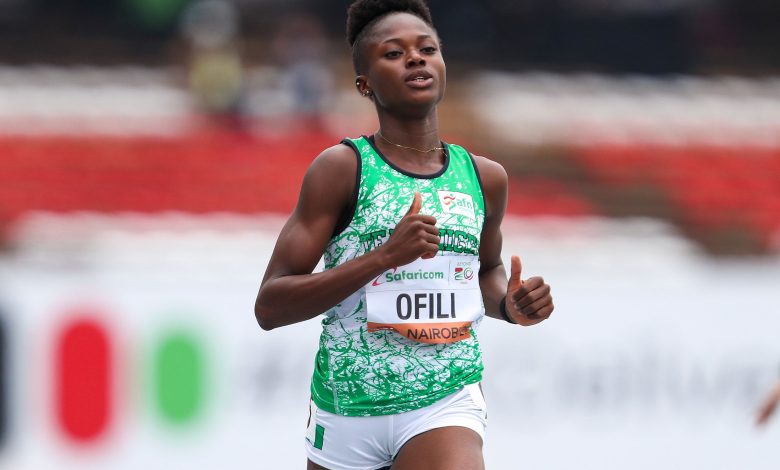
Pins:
<point x="410" y="230"/>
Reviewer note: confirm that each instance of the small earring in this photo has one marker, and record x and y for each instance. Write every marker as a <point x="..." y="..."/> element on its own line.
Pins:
<point x="367" y="93"/>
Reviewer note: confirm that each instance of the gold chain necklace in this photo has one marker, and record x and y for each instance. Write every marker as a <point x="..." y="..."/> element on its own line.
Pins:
<point x="433" y="149"/>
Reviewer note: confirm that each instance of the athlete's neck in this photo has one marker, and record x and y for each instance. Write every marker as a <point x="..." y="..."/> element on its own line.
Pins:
<point x="418" y="136"/>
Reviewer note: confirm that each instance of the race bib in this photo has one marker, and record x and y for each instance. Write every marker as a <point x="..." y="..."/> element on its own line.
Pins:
<point x="429" y="300"/>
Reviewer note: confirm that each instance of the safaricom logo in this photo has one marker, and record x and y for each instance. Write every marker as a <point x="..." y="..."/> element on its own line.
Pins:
<point x="404" y="275"/>
<point x="451" y="200"/>
<point x="447" y="201"/>
<point x="457" y="203"/>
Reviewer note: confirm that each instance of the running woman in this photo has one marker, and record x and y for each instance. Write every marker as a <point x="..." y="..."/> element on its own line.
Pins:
<point x="409" y="227"/>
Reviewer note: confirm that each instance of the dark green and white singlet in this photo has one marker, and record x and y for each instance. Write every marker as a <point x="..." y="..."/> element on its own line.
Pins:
<point x="431" y="349"/>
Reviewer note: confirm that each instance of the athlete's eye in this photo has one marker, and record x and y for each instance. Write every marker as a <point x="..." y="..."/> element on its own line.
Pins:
<point x="429" y="50"/>
<point x="393" y="54"/>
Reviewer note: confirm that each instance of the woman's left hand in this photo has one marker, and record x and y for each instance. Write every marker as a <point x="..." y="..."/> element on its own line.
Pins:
<point x="527" y="302"/>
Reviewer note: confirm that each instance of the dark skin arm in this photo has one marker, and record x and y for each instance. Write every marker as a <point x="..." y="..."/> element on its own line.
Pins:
<point x="289" y="292"/>
<point x="527" y="302"/>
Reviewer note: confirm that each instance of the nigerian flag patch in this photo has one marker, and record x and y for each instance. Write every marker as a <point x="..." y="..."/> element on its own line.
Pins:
<point x="319" y="436"/>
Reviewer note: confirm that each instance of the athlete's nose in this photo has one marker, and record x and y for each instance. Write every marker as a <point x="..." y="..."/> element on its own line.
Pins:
<point x="415" y="59"/>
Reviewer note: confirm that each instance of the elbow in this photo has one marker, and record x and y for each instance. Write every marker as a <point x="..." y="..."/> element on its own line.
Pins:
<point x="264" y="317"/>
<point x="265" y="322"/>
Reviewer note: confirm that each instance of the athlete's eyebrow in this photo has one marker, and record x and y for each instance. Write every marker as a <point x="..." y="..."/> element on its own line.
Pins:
<point x="399" y="40"/>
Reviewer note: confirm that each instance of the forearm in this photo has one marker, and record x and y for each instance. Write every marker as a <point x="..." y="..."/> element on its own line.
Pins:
<point x="492" y="282"/>
<point x="285" y="300"/>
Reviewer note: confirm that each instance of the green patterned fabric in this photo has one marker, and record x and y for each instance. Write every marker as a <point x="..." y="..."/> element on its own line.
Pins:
<point x="358" y="373"/>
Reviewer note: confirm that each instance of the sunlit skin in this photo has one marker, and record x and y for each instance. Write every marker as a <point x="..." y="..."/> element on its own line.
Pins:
<point x="404" y="75"/>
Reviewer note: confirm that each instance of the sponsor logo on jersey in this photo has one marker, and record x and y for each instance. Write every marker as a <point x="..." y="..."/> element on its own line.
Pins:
<point x="463" y="273"/>
<point x="457" y="203"/>
<point x="395" y="275"/>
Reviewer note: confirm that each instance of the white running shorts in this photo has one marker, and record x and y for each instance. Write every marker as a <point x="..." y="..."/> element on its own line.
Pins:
<point x="371" y="442"/>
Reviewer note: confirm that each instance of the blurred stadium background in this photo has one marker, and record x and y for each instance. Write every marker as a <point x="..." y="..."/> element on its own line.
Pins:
<point x="150" y="150"/>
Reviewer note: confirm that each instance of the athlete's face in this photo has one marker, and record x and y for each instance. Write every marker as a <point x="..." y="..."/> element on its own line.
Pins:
<point x="404" y="68"/>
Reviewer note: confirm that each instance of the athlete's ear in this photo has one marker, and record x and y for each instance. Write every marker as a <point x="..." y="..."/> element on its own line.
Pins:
<point x="362" y="86"/>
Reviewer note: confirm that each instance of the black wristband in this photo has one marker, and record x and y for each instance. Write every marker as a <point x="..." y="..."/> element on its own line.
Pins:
<point x="502" y="309"/>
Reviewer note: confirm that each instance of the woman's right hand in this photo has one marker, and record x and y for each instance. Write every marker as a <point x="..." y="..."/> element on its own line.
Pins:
<point x="415" y="236"/>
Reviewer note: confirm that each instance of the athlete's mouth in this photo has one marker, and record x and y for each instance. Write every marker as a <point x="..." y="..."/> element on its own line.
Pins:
<point x="419" y="76"/>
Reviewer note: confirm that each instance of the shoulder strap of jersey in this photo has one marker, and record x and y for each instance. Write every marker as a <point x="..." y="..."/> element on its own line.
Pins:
<point x="349" y="212"/>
